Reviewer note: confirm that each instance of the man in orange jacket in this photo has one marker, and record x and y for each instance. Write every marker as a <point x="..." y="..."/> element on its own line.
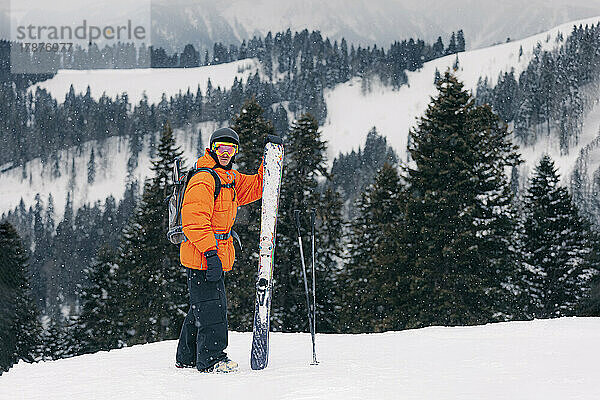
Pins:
<point x="208" y="250"/>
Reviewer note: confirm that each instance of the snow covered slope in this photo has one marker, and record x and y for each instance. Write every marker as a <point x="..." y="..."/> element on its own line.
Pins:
<point x="544" y="359"/>
<point x="154" y="82"/>
<point x="350" y="113"/>
<point x="111" y="158"/>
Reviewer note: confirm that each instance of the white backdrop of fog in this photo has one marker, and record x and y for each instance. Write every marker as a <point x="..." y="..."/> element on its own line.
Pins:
<point x="202" y="22"/>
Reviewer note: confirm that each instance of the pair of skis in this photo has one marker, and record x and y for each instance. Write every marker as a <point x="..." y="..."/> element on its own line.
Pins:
<point x="312" y="320"/>
<point x="272" y="173"/>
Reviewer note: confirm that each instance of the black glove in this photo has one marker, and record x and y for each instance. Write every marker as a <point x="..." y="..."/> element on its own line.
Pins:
<point x="214" y="268"/>
<point x="273" y="139"/>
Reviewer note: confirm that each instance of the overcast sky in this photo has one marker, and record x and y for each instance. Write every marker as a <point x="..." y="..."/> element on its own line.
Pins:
<point x="371" y="21"/>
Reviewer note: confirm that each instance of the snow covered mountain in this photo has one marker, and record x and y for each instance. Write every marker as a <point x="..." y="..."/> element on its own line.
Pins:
<point x="542" y="359"/>
<point x="377" y="21"/>
<point x="204" y="22"/>
<point x="111" y="158"/>
<point x="394" y="113"/>
<point x="353" y="109"/>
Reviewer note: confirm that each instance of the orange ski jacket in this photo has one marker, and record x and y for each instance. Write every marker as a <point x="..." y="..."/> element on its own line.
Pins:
<point x="207" y="221"/>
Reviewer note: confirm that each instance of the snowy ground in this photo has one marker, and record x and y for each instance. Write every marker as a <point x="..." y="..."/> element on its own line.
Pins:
<point x="153" y="82"/>
<point x="544" y="359"/>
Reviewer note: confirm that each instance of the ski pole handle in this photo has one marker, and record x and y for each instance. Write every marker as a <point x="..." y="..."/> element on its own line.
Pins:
<point x="297" y="218"/>
<point x="313" y="215"/>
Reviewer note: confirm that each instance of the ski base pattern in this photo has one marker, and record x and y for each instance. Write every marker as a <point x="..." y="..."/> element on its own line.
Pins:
<point x="273" y="168"/>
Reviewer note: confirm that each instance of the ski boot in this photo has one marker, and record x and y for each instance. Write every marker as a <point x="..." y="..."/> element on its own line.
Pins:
<point x="182" y="365"/>
<point x="223" y="366"/>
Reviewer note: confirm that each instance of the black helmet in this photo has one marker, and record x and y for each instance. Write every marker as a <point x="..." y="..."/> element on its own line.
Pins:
<point x="224" y="135"/>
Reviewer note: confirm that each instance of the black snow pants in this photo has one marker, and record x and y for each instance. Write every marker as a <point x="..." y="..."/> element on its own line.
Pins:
<point x="203" y="337"/>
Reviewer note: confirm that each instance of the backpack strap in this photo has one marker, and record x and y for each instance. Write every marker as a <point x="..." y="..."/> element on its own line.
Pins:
<point x="211" y="171"/>
<point x="231" y="185"/>
<point x="218" y="186"/>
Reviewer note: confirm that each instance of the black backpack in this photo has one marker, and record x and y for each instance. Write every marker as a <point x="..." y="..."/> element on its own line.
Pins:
<point x="175" y="200"/>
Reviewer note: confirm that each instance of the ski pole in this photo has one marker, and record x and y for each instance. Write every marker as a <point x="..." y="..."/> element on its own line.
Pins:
<point x="310" y="324"/>
<point x="314" y="287"/>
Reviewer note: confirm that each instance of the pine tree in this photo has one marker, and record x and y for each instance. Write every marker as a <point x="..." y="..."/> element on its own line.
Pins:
<point x="62" y="267"/>
<point x="459" y="222"/>
<point x="58" y="340"/>
<point x="495" y="208"/>
<point x="460" y="41"/>
<point x="150" y="280"/>
<point x="42" y="238"/>
<point x="352" y="173"/>
<point x="97" y="329"/>
<point x="19" y="315"/>
<point x="374" y="278"/>
<point x="438" y="77"/>
<point x="438" y="48"/>
<point x="91" y="177"/>
<point x="452" y="46"/>
<point x="52" y="339"/>
<point x="590" y="304"/>
<point x="328" y="248"/>
<point x="72" y="176"/>
<point x="252" y="129"/>
<point x="8" y="287"/>
<point x="555" y="245"/>
<point x="304" y="163"/>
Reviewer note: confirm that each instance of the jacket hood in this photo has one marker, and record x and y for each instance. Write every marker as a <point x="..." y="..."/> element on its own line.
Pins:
<point x="206" y="161"/>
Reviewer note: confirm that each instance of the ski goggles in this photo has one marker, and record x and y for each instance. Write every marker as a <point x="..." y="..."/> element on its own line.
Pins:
<point x="223" y="148"/>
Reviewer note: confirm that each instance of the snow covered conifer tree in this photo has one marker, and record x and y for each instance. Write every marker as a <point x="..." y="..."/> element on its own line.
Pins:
<point x="459" y="221"/>
<point x="252" y="128"/>
<point x="151" y="283"/>
<point x="59" y="339"/>
<point x="91" y="176"/>
<point x="304" y="164"/>
<point x="460" y="41"/>
<point x="8" y="333"/>
<point x="591" y="306"/>
<point x="372" y="295"/>
<point x="438" y="48"/>
<point x="18" y="314"/>
<point x="556" y="244"/>
<point x="452" y="47"/>
<point x="96" y="328"/>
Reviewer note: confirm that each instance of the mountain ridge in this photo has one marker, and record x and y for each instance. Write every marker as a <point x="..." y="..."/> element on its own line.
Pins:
<point x="380" y="22"/>
<point x="487" y="22"/>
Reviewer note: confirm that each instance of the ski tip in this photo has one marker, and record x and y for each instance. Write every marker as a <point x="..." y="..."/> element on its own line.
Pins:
<point x="258" y="360"/>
